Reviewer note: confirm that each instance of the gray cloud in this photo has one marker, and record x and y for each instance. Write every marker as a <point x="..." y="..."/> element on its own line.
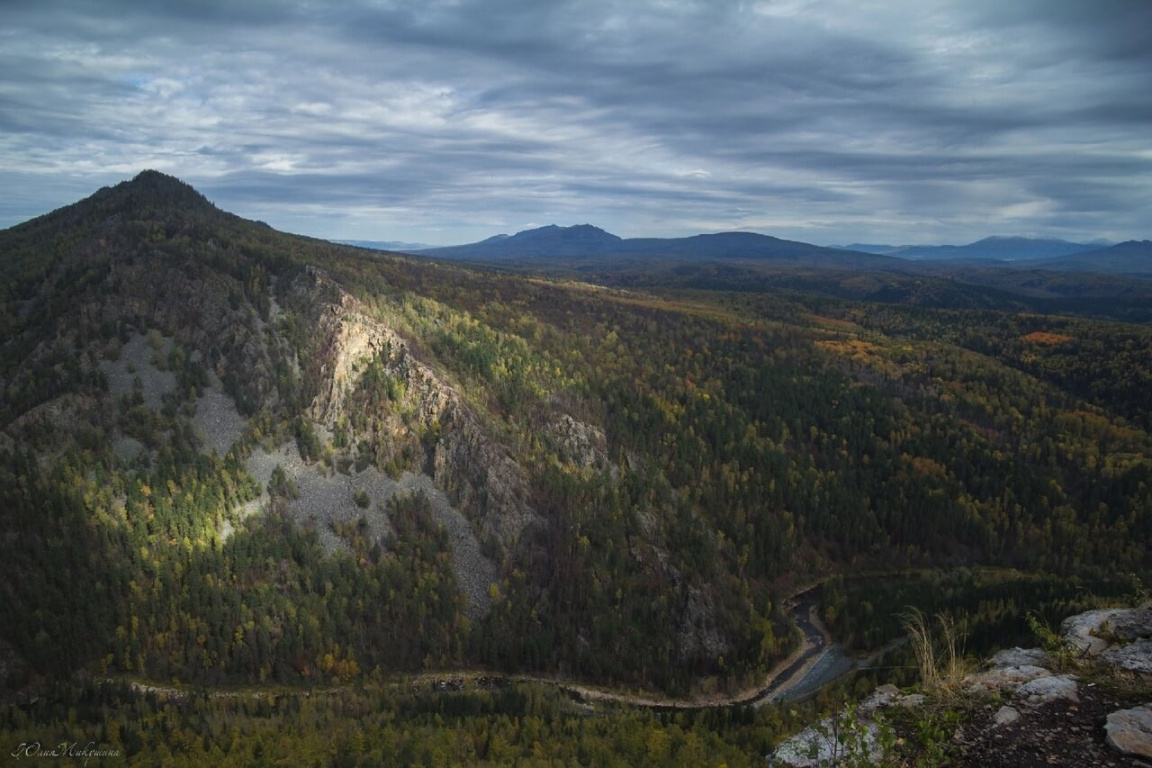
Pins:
<point x="449" y="120"/>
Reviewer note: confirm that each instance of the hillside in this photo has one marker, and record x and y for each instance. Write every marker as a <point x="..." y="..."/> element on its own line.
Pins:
<point x="274" y="459"/>
<point x="1133" y="257"/>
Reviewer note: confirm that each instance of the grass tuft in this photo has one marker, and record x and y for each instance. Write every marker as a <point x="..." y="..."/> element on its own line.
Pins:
<point x="939" y="658"/>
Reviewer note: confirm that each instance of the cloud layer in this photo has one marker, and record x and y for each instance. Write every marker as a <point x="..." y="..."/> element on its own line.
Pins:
<point x="450" y="120"/>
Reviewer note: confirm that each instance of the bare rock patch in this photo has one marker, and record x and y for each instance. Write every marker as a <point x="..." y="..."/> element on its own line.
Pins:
<point x="1130" y="731"/>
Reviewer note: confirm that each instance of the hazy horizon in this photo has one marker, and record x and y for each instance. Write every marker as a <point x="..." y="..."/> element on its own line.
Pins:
<point x="1102" y="242"/>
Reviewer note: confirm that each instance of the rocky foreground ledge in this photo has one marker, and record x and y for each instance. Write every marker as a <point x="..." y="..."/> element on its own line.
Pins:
<point x="1085" y="701"/>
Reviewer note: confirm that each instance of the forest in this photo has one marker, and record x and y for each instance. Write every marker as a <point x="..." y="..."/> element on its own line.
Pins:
<point x="753" y="440"/>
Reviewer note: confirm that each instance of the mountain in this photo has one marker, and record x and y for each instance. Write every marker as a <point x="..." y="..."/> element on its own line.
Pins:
<point x="545" y="242"/>
<point x="231" y="456"/>
<point x="1133" y="257"/>
<point x="189" y="396"/>
<point x="586" y="244"/>
<point x="988" y="249"/>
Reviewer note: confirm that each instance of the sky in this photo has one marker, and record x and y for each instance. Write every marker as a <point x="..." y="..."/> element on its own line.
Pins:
<point x="448" y="121"/>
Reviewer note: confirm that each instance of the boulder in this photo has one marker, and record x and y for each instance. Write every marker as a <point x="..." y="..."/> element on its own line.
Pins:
<point x="1020" y="657"/>
<point x="1044" y="690"/>
<point x="890" y="696"/>
<point x="1005" y="716"/>
<point x="1132" y="625"/>
<point x="1130" y="731"/>
<point x="822" y="745"/>
<point x="1004" y="678"/>
<point x="1134" y="657"/>
<point x="1083" y="631"/>
<point x="911" y="700"/>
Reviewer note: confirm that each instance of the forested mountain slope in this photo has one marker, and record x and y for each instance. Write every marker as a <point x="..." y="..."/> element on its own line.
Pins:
<point x="230" y="454"/>
<point x="1133" y="257"/>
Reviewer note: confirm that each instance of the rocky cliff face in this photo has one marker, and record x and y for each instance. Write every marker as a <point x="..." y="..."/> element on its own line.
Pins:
<point x="446" y="437"/>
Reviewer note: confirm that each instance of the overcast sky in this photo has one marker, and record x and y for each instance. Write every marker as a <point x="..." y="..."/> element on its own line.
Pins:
<point x="447" y="121"/>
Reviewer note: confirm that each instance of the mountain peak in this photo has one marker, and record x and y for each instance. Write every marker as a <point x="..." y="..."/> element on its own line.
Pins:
<point x="583" y="233"/>
<point x="148" y="195"/>
<point x="153" y="189"/>
<point x="150" y="176"/>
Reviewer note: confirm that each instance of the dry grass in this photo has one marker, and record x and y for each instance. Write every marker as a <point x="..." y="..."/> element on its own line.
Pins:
<point x="939" y="658"/>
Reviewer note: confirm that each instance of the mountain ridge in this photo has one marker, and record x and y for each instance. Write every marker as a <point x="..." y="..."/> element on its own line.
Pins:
<point x="992" y="248"/>
<point x="1131" y="257"/>
<point x="592" y="244"/>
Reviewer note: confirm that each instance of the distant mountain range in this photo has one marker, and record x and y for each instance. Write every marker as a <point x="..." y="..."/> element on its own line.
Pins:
<point x="586" y="245"/>
<point x="589" y="244"/>
<point x="990" y="248"/>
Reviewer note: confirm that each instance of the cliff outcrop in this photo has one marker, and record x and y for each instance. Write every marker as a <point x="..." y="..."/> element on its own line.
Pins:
<point x="1086" y="700"/>
<point x="424" y="426"/>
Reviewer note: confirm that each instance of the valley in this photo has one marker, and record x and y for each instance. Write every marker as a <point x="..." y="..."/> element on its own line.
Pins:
<point x="236" y="459"/>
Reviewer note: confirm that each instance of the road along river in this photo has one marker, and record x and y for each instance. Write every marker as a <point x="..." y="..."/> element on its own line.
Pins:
<point x="815" y="664"/>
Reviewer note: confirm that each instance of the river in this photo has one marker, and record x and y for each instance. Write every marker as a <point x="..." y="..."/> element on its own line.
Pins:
<point x="820" y="662"/>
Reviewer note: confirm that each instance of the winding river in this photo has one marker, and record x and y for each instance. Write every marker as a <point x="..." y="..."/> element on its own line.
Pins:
<point x="819" y="662"/>
<point x="814" y="665"/>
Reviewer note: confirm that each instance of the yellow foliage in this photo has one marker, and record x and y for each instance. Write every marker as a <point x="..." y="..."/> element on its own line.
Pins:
<point x="926" y="466"/>
<point x="1045" y="338"/>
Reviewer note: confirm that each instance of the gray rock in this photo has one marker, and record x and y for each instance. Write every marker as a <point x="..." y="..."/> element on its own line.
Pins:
<point x="819" y="746"/>
<point x="1132" y="624"/>
<point x="884" y="696"/>
<point x="1083" y="631"/>
<point x="890" y="696"/>
<point x="584" y="445"/>
<point x="698" y="632"/>
<point x="1135" y="657"/>
<point x="1005" y="715"/>
<point x="1130" y="731"/>
<point x="1044" y="690"/>
<point x="218" y="423"/>
<point x="1020" y="657"/>
<point x="137" y="362"/>
<point x="331" y="498"/>
<point x="1004" y="678"/>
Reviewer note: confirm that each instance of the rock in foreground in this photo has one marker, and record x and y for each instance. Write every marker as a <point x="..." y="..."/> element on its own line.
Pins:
<point x="1130" y="731"/>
